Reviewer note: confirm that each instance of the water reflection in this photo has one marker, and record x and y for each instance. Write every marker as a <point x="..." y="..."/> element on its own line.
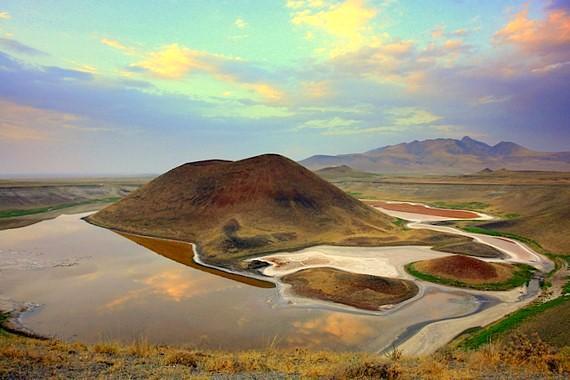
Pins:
<point x="123" y="291"/>
<point x="182" y="253"/>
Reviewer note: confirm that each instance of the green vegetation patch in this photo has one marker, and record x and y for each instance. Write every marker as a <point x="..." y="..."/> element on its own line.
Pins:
<point x="461" y="205"/>
<point x="3" y="318"/>
<point x="491" y="333"/>
<point x="400" y="222"/>
<point x="521" y="276"/>
<point x="39" y="210"/>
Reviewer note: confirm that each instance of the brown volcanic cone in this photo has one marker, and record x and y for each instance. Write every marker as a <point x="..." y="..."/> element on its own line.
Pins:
<point x="260" y="204"/>
<point x="459" y="267"/>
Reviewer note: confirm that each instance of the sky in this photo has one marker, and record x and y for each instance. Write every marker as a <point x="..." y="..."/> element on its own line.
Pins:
<point x="131" y="87"/>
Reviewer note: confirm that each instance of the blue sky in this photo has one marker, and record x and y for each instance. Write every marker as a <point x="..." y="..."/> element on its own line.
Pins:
<point x="138" y="87"/>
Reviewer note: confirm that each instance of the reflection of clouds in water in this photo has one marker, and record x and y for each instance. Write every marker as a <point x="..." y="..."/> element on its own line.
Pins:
<point x="346" y="328"/>
<point x="174" y="284"/>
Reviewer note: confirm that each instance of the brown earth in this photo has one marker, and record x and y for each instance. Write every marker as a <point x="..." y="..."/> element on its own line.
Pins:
<point x="472" y="249"/>
<point x="465" y="269"/>
<point x="257" y="205"/>
<point x="353" y="289"/>
<point x="421" y="209"/>
<point x="535" y="205"/>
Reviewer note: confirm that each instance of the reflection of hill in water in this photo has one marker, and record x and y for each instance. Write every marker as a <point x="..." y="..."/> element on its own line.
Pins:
<point x="182" y="253"/>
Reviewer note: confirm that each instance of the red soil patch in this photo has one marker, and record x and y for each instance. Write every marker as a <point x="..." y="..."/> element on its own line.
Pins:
<point x="421" y="209"/>
<point x="458" y="266"/>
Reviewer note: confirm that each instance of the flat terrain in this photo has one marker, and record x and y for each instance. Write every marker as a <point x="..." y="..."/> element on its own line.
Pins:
<point x="535" y="205"/>
<point x="422" y="209"/>
<point x="27" y="201"/>
<point x="353" y="289"/>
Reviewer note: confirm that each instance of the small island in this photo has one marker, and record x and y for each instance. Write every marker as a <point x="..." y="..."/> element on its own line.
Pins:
<point x="353" y="289"/>
<point x="469" y="272"/>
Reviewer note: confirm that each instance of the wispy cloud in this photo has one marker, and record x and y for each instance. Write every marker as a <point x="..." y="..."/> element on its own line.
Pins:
<point x="20" y="48"/>
<point x="4" y="15"/>
<point x="20" y="122"/>
<point x="240" y="23"/>
<point x="116" y="44"/>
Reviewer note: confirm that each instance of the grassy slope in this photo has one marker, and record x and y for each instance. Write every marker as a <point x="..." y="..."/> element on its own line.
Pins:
<point x="534" y="205"/>
<point x="515" y="320"/>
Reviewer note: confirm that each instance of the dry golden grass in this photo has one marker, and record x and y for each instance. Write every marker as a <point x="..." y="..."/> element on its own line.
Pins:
<point x="521" y="357"/>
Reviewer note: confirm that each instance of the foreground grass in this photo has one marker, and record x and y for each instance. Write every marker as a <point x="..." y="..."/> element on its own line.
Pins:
<point x="521" y="276"/>
<point x="40" y="210"/>
<point x="28" y="358"/>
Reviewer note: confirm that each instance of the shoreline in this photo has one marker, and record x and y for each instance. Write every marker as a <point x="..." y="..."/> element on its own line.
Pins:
<point x="419" y="331"/>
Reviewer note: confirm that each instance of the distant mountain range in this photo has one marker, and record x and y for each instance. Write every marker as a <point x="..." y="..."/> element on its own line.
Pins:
<point x="445" y="156"/>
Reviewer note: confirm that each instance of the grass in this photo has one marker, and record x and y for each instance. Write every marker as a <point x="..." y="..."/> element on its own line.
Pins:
<point x="39" y="210"/>
<point x="520" y="277"/>
<point x="27" y="358"/>
<point x="400" y="222"/>
<point x="491" y="333"/>
<point x="461" y="205"/>
<point x="3" y="319"/>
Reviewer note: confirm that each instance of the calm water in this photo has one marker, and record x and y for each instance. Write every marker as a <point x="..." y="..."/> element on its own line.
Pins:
<point x="93" y="284"/>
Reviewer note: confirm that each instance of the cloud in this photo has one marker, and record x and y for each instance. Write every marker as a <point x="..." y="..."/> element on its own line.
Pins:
<point x="550" y="68"/>
<point x="116" y="44"/>
<point x="408" y="116"/>
<point x="549" y="36"/>
<point x="233" y="110"/>
<point x="490" y="99"/>
<point x="317" y="89"/>
<point x="18" y="47"/>
<point x="240" y="23"/>
<point x="333" y="123"/>
<point x="174" y="61"/>
<point x="20" y="122"/>
<point x="4" y="15"/>
<point x="438" y="31"/>
<point x="10" y="132"/>
<point x="397" y="119"/>
<point x="348" y="22"/>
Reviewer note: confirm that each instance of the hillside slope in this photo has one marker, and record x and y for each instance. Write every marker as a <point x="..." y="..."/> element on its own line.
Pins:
<point x="447" y="156"/>
<point x="257" y="205"/>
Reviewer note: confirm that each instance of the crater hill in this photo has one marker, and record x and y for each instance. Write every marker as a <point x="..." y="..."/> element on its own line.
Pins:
<point x="257" y="205"/>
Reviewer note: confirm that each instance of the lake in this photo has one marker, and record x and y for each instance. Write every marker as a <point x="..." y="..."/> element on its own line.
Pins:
<point x="92" y="284"/>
